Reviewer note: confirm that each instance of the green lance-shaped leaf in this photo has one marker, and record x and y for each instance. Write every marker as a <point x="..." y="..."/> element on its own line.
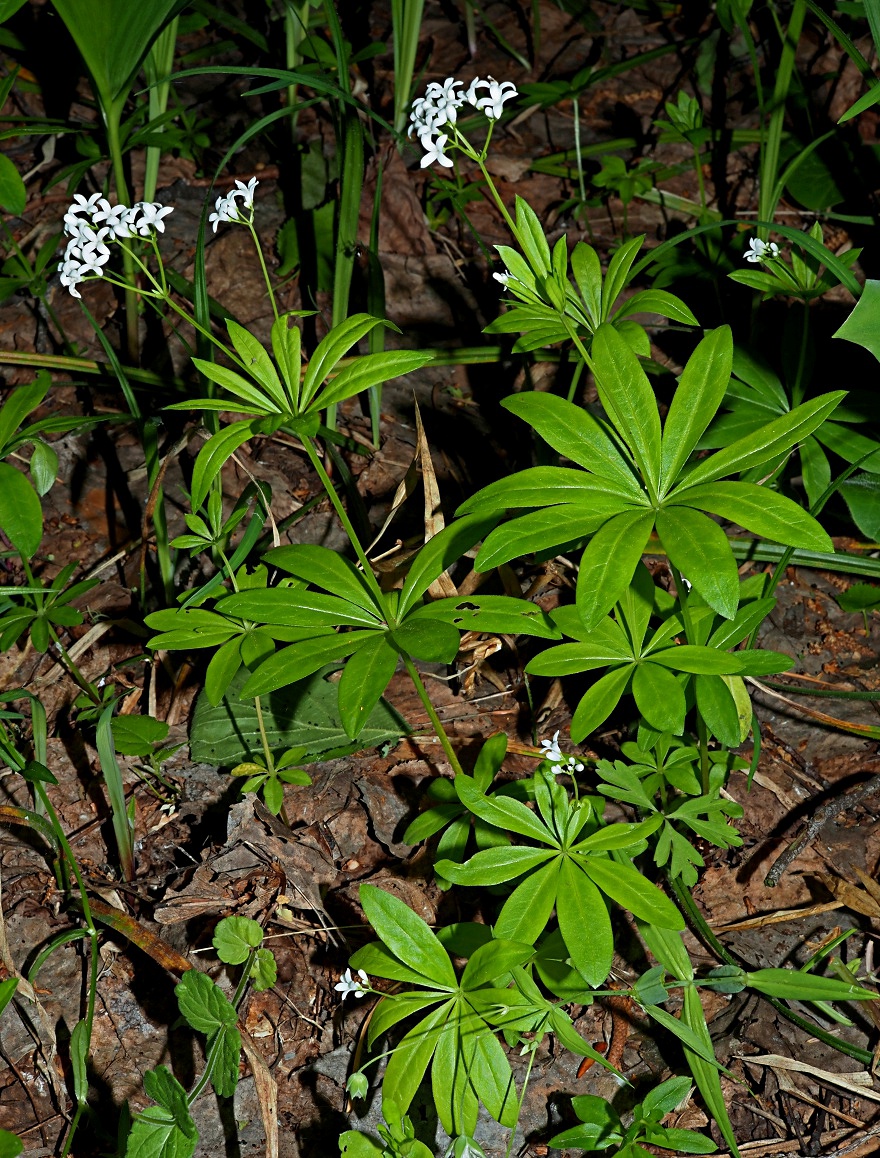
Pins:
<point x="545" y="531"/>
<point x="490" y="962"/>
<point x="216" y="451"/>
<point x="699" y="549"/>
<point x="441" y="552"/>
<point x="574" y="658"/>
<point x="599" y="702"/>
<point x="588" y="275"/>
<point x="633" y="892"/>
<point x="700" y="391"/>
<point x="609" y="562"/>
<point x="618" y="271"/>
<point x="771" y="440"/>
<point x="863" y="324"/>
<point x="795" y="985"/>
<point x="654" y="301"/>
<point x="703" y="660"/>
<point x="763" y="511"/>
<point x="491" y="1077"/>
<point x="18" y="406"/>
<point x="287" y="348"/>
<point x="237" y="386"/>
<point x="720" y="711"/>
<point x="527" y="910"/>
<point x="429" y="640"/>
<point x="379" y="961"/>
<point x="407" y="936"/>
<point x="253" y="355"/>
<point x="629" y="401"/>
<point x="293" y="607"/>
<point x="584" y="923"/>
<point x="408" y="1062"/>
<point x="659" y="697"/>
<point x="502" y="811"/>
<point x="491" y="614"/>
<point x="367" y="371"/>
<point x="21" y="516"/>
<point x="364" y="679"/>
<point x="531" y="237"/>
<point x="334" y="346"/>
<point x="546" y="486"/>
<point x="575" y="434"/>
<point x="323" y="568"/>
<point x="492" y="866"/>
<point x="302" y="659"/>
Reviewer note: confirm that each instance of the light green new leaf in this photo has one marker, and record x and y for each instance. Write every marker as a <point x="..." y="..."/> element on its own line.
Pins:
<point x="609" y="562"/>
<point x="407" y="936"/>
<point x="774" y="439"/>
<point x="629" y="400"/>
<point x="584" y="923"/>
<point x="699" y="549"/>
<point x="760" y="510"/>
<point x="21" y="516"/>
<point x="575" y="434"/>
<point x="700" y="391"/>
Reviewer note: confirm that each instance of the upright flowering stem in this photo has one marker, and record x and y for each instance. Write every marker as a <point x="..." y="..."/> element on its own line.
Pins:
<point x="436" y="722"/>
<point x="113" y="116"/>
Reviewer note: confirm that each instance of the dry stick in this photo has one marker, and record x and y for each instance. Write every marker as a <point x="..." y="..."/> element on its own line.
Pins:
<point x="846" y="802"/>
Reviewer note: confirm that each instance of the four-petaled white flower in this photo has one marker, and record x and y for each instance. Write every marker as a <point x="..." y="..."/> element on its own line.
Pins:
<point x="227" y="209"/>
<point x="116" y="218"/>
<point x="245" y="192"/>
<point x="559" y="761"/>
<point x="150" y="217"/>
<point x="760" y="250"/>
<point x="493" y="104"/>
<point x="349" y="985"/>
<point x="434" y="151"/>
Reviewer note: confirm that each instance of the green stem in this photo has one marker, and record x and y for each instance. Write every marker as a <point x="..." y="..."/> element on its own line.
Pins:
<point x="344" y="519"/>
<point x="264" y="739"/>
<point x="262" y="260"/>
<point x="709" y="939"/>
<point x="218" y="1044"/>
<point x="432" y="714"/>
<point x="112" y="116"/>
<point x="797" y="390"/>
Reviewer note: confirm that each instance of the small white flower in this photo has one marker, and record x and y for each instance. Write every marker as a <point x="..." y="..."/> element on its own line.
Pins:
<point x="445" y="100"/>
<point x="493" y="104"/>
<point x="551" y="749"/>
<point x="349" y="985"/>
<point x="504" y="278"/>
<point x="761" y="250"/>
<point x="82" y="207"/>
<point x="434" y="151"/>
<point x="245" y="192"/>
<point x="149" y="216"/>
<point x="224" y="207"/>
<point x="114" y="217"/>
<point x="472" y="95"/>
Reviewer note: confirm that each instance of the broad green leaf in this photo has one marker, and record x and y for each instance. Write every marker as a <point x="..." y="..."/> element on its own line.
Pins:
<point x="531" y="237"/>
<point x="21" y="516"/>
<point x="776" y="438"/>
<point x="700" y="390"/>
<point x="19" y="404"/>
<point x="224" y="1045"/>
<point x="669" y="950"/>
<point x="863" y="324"/>
<point x="203" y="1004"/>
<point x="114" y="39"/>
<point x="323" y="568"/>
<point x="501" y="811"/>
<point x="432" y="641"/>
<point x="544" y="531"/>
<point x="258" y="362"/>
<point x="215" y="452"/>
<point x="588" y="275"/>
<point x="659" y="697"/>
<point x="493" y="866"/>
<point x="699" y="549"/>
<point x="545" y="486"/>
<point x="446" y="1078"/>
<point x="575" y="434"/>
<point x="354" y="1144"/>
<point x="395" y="1008"/>
<point x="685" y="1141"/>
<point x="760" y="510"/>
<point x="304" y="715"/>
<point x="378" y="961"/>
<point x="851" y="445"/>
<point x="492" y="961"/>
<point x="294" y="607"/>
<point x="618" y="271"/>
<point x="629" y="401"/>
<point x="656" y="301"/>
<point x="10" y="1145"/>
<point x="13" y="195"/>
<point x="234" y="938"/>
<point x="364" y="679"/>
<point x="600" y="1126"/>
<point x="237" y="386"/>
<point x="43" y="467"/>
<point x="701" y="660"/>
<point x="488" y="763"/>
<point x="574" y="658"/>
<point x="408" y="1062"/>
<point x="440" y="552"/>
<point x="492" y="1079"/>
<point x="490" y="614"/>
<point x="609" y="562"/>
<point x="331" y="348"/>
<point x="370" y="370"/>
<point x="607" y="636"/>
<point x="294" y="663"/>
<point x="584" y="923"/>
<point x="720" y="711"/>
<point x="407" y="936"/>
<point x="633" y="892"/>
<point x="222" y="670"/>
<point x="599" y="702"/>
<point x="666" y="1097"/>
<point x="620" y="835"/>
<point x="527" y="910"/>
<point x="815" y="469"/>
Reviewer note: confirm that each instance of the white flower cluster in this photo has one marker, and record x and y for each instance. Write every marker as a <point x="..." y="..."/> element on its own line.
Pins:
<point x="761" y="250"/>
<point x="92" y="222"/>
<point x="349" y="985"/>
<point x="227" y="208"/>
<point x="561" y="762"/>
<point x="440" y="104"/>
